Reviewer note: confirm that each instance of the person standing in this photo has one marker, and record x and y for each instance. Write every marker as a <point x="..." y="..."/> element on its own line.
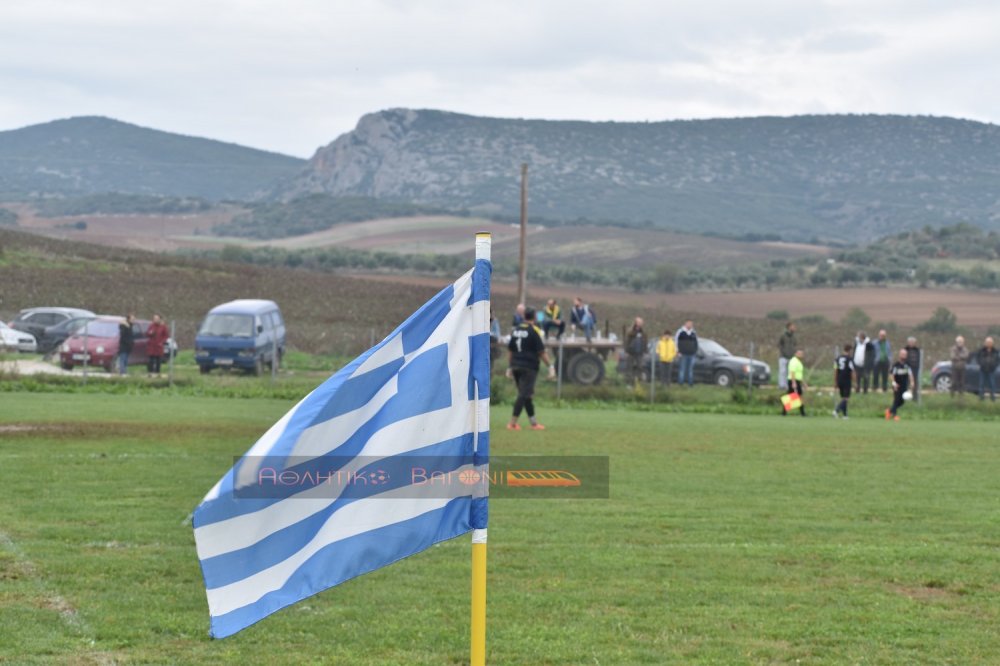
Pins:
<point x="553" y="319"/>
<point x="988" y="359"/>
<point x="902" y="380"/>
<point x="525" y="350"/>
<point x="687" y="346"/>
<point x="126" y="342"/>
<point x="157" y="335"/>
<point x="519" y="315"/>
<point x="883" y="359"/>
<point x="959" y="359"/>
<point x="843" y="378"/>
<point x="787" y="346"/>
<point x="635" y="347"/>
<point x="666" y="351"/>
<point x="914" y="358"/>
<point x="863" y="357"/>
<point x="495" y="335"/>
<point x="796" y="381"/>
<point x="583" y="316"/>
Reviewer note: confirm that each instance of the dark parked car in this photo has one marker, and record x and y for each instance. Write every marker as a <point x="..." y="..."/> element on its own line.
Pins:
<point x="715" y="365"/>
<point x="941" y="377"/>
<point x="53" y="336"/>
<point x="36" y="320"/>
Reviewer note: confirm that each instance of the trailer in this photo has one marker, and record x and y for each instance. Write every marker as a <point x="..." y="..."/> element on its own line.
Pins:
<point x="579" y="361"/>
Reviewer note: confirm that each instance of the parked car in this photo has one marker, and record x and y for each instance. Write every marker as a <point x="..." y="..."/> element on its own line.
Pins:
<point x="245" y="334"/>
<point x="714" y="365"/>
<point x="941" y="377"/>
<point x="53" y="336"/>
<point x="36" y="320"/>
<point x="96" y="344"/>
<point x="11" y="339"/>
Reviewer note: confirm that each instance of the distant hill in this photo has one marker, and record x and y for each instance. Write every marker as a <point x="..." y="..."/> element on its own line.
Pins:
<point x="839" y="178"/>
<point x="95" y="155"/>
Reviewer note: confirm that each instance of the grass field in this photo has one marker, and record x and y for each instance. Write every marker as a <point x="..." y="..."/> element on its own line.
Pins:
<point x="727" y="539"/>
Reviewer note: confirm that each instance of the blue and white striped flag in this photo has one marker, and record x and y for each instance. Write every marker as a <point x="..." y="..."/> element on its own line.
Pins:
<point x="422" y="393"/>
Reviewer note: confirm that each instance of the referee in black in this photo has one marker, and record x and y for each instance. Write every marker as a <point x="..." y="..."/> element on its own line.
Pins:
<point x="526" y="349"/>
<point x="843" y="376"/>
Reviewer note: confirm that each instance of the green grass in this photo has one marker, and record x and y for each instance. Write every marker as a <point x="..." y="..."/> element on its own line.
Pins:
<point x="727" y="539"/>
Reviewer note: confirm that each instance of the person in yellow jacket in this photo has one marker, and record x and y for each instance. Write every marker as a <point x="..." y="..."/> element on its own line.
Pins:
<point x="666" y="351"/>
<point x="796" y="381"/>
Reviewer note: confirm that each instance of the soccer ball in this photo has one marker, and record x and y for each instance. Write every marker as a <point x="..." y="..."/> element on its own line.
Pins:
<point x="907" y="395"/>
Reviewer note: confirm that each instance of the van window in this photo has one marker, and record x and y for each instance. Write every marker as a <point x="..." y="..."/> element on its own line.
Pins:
<point x="275" y="322"/>
<point x="277" y="318"/>
<point x="228" y="325"/>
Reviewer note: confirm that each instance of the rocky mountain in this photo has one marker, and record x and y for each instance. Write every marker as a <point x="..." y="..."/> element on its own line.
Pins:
<point x="94" y="155"/>
<point x="840" y="177"/>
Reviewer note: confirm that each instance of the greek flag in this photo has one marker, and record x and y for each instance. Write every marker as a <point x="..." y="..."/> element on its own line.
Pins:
<point x="422" y="393"/>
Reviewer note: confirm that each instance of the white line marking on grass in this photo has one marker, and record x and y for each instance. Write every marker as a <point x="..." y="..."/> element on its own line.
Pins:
<point x="53" y="600"/>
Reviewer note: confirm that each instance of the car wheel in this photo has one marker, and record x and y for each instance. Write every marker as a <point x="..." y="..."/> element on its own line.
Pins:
<point x="66" y="366"/>
<point x="943" y="383"/>
<point x="585" y="368"/>
<point x="258" y="366"/>
<point x="723" y="378"/>
<point x="204" y="369"/>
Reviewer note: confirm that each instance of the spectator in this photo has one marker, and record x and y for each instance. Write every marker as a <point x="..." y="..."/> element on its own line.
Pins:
<point x="526" y="348"/>
<point x="553" y="319"/>
<point x="843" y="376"/>
<point x="583" y="316"/>
<point x="959" y="359"/>
<point x="914" y="358"/>
<point x="126" y="342"/>
<point x="902" y="380"/>
<point x="787" y="346"/>
<point x="157" y="335"/>
<point x="495" y="335"/>
<point x="518" y="315"/>
<point x="796" y="381"/>
<point x="687" y="346"/>
<point x="863" y="357"/>
<point x="635" y="347"/>
<point x="988" y="359"/>
<point x="883" y="358"/>
<point x="666" y="351"/>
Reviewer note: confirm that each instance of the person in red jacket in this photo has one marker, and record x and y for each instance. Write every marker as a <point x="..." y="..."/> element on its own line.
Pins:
<point x="157" y="335"/>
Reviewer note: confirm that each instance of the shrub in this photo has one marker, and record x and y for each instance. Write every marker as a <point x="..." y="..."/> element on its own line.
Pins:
<point x="778" y="315"/>
<point x="856" y="318"/>
<point x="942" y="321"/>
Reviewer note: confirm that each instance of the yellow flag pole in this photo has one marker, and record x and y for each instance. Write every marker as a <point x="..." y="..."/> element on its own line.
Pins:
<point x="477" y="643"/>
<point x="478" y="653"/>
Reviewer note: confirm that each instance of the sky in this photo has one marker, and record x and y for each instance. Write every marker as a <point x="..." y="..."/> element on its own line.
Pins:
<point x="292" y="75"/>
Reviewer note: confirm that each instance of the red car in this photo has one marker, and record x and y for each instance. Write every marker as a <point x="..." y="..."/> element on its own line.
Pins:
<point x="101" y="335"/>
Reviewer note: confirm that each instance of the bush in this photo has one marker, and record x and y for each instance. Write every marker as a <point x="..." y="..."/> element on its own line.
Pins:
<point x="778" y="315"/>
<point x="942" y="321"/>
<point x="856" y="318"/>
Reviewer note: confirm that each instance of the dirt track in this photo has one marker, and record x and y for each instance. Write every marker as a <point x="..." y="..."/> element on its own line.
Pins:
<point x="902" y="306"/>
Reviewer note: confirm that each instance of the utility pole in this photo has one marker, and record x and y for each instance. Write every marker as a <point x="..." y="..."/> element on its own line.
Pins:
<point x="522" y="276"/>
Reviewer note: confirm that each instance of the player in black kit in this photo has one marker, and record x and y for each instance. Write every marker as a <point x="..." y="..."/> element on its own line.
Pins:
<point x="526" y="348"/>
<point x="902" y="379"/>
<point x="843" y="378"/>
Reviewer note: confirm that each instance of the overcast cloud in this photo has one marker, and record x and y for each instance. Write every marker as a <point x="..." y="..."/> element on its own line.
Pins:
<point x="292" y="75"/>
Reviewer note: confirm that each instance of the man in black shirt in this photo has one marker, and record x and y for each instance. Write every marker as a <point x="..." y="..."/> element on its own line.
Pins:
<point x="126" y="341"/>
<point x="914" y="360"/>
<point x="526" y="349"/>
<point x="902" y="380"/>
<point x="988" y="359"/>
<point x="843" y="377"/>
